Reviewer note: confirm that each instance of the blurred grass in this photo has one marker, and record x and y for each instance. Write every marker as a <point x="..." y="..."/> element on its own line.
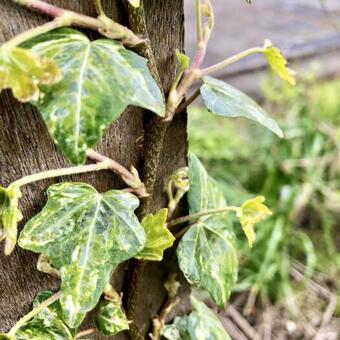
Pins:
<point x="299" y="176"/>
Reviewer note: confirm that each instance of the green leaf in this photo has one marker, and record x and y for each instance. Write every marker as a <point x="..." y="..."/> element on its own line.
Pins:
<point x="22" y="71"/>
<point x="110" y="319"/>
<point x="100" y="79"/>
<point x="48" y="324"/>
<point x="224" y="100"/>
<point x="10" y="215"/>
<point x="6" y="337"/>
<point x="206" y="253"/>
<point x="204" y="193"/>
<point x="201" y="324"/>
<point x="85" y="235"/>
<point x="278" y="63"/>
<point x="178" y="330"/>
<point x="251" y="212"/>
<point x="158" y="236"/>
<point x="208" y="258"/>
<point x="134" y="3"/>
<point x="183" y="60"/>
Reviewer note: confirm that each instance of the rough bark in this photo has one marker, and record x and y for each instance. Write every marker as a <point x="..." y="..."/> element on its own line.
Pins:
<point x="25" y="148"/>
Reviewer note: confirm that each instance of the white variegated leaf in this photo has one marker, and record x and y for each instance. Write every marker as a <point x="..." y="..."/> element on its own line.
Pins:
<point x="206" y="253"/>
<point x="204" y="193"/>
<point x="208" y="258"/>
<point x="110" y="318"/>
<point x="201" y="324"/>
<point x="99" y="80"/>
<point x="85" y="235"/>
<point x="47" y="325"/>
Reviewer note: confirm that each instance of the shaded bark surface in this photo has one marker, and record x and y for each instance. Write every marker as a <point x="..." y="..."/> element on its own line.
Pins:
<point x="25" y="148"/>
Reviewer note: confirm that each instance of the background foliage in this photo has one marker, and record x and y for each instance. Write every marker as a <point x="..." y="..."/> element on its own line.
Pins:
<point x="298" y="175"/>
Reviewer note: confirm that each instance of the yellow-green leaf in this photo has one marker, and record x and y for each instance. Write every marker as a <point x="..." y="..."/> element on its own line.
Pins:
<point x="10" y="215"/>
<point x="278" y="63"/>
<point x="183" y="60"/>
<point x="22" y="71"/>
<point x="158" y="236"/>
<point x="251" y="212"/>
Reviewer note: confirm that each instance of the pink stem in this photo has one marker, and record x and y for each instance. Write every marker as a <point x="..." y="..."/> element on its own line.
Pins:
<point x="113" y="165"/>
<point x="199" y="58"/>
<point x="43" y="7"/>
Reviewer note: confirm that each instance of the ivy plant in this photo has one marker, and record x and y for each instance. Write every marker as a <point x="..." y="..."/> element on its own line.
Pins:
<point x="202" y="323"/>
<point x="80" y="87"/>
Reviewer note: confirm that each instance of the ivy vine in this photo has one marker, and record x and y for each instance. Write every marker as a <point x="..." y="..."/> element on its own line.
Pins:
<point x="79" y="87"/>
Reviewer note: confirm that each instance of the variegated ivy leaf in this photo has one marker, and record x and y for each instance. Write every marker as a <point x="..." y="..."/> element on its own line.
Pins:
<point x="204" y="193"/>
<point x="278" y="63"/>
<point x="6" y="337"/>
<point x="85" y="235"/>
<point x="158" y="236"/>
<point x="134" y="3"/>
<point x="178" y="330"/>
<point x="47" y="325"/>
<point x="206" y="253"/>
<point x="201" y="324"/>
<point x="22" y="71"/>
<point x="110" y="319"/>
<point x="224" y="100"/>
<point x="208" y="258"/>
<point x="100" y="79"/>
<point x="10" y="215"/>
<point x="251" y="212"/>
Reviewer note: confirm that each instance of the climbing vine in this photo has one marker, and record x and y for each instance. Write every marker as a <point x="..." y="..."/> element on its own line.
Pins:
<point x="79" y="87"/>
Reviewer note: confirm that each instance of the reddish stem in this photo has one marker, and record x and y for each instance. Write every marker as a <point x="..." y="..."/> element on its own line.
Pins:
<point x="128" y="177"/>
<point x="199" y="58"/>
<point x="43" y="7"/>
<point x="107" y="27"/>
<point x="113" y="165"/>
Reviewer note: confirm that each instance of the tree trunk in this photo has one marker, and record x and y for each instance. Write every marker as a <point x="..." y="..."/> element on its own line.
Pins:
<point x="25" y="148"/>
